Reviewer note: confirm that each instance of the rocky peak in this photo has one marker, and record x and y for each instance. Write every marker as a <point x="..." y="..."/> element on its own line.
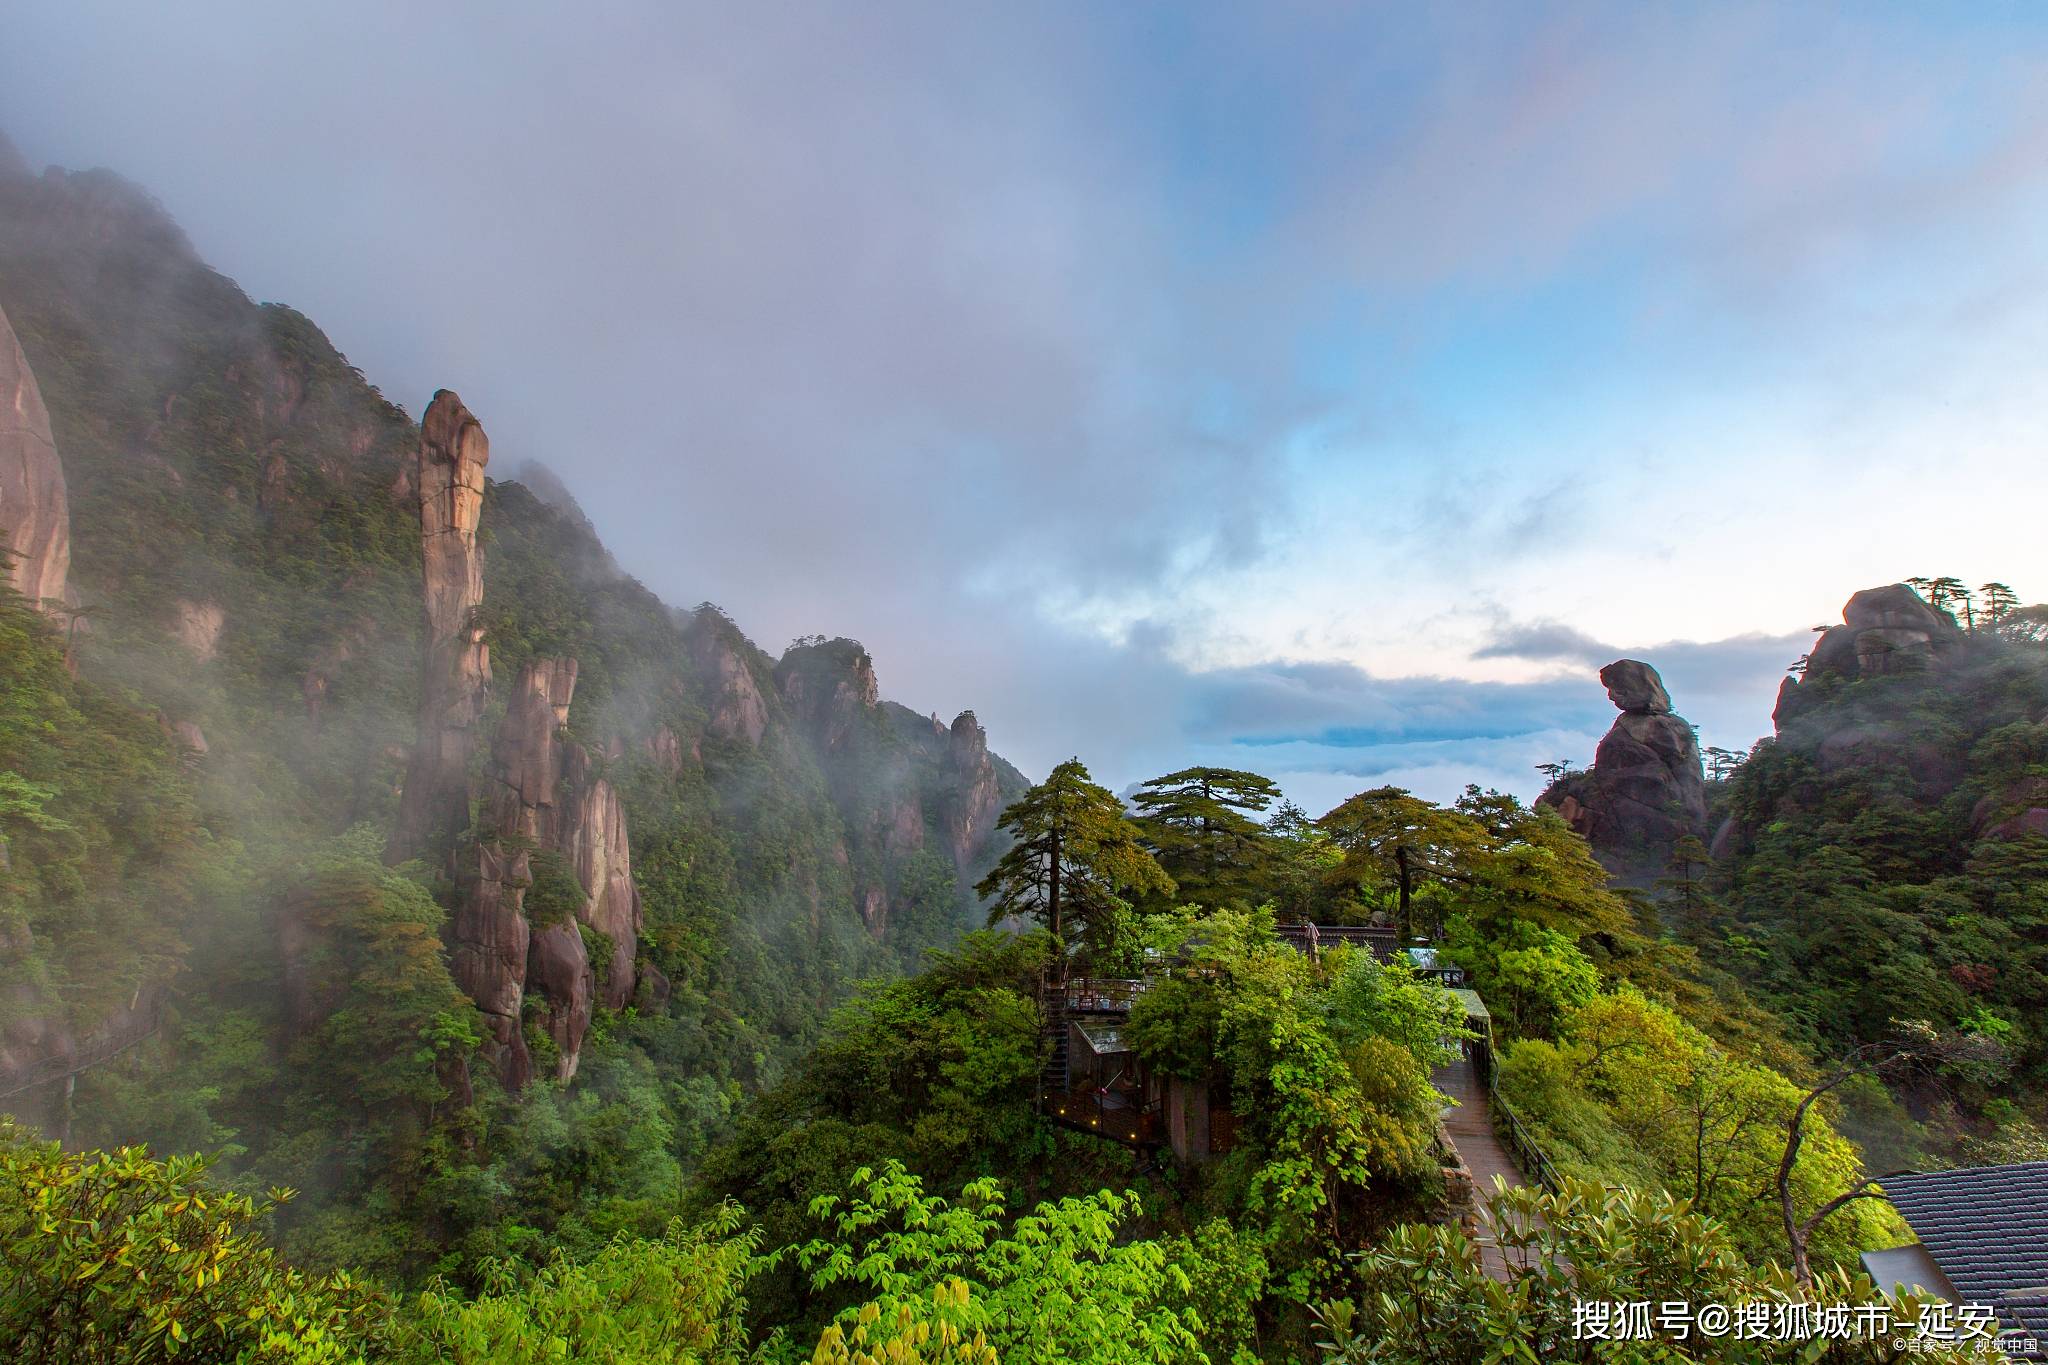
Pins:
<point x="828" y="686"/>
<point x="449" y="477"/>
<point x="1646" y="789"/>
<point x="1885" y="631"/>
<point x="738" y="711"/>
<point x="35" y="515"/>
<point x="1634" y="688"/>
<point x="976" y="799"/>
<point x="452" y="454"/>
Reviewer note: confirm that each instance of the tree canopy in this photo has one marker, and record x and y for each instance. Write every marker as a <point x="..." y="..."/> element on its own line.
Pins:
<point x="1076" y="863"/>
<point x="1201" y="825"/>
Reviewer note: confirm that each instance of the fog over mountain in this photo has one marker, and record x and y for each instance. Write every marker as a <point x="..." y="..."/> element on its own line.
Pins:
<point x="1324" y="389"/>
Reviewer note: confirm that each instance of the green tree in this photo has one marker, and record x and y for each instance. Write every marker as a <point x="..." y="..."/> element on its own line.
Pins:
<point x="1392" y="838"/>
<point x="1633" y="1094"/>
<point x="1200" y="824"/>
<point x="1688" y="862"/>
<point x="1075" y="860"/>
<point x="1527" y="864"/>
<point x="677" y="1299"/>
<point x="1300" y="860"/>
<point x="1998" y="600"/>
<point x="1722" y="763"/>
<point x="1947" y="594"/>
<point x="1059" y="1284"/>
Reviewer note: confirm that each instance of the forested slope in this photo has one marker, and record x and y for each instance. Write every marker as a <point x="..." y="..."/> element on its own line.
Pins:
<point x="206" y="821"/>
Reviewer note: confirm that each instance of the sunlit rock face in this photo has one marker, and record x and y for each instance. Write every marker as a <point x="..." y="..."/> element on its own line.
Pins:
<point x="595" y="841"/>
<point x="35" y="516"/>
<point x="976" y="800"/>
<point x="456" y="668"/>
<point x="1646" y="789"/>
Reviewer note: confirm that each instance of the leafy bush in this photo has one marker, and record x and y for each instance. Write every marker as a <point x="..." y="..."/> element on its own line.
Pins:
<point x="115" y="1258"/>
<point x="1426" y="1297"/>
<point x="1058" y="1285"/>
<point x="677" y="1299"/>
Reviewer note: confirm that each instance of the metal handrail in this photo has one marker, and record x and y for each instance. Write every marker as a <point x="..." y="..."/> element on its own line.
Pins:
<point x="1097" y="994"/>
<point x="1521" y="1140"/>
<point x="142" y="1023"/>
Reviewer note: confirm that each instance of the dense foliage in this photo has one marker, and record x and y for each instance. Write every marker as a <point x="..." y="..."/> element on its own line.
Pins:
<point x="191" y="822"/>
<point x="102" y="853"/>
<point x="1879" y="864"/>
<point x="1426" y="1297"/>
<point x="766" y="1161"/>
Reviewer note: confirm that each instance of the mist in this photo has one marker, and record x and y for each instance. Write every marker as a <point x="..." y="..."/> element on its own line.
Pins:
<point x="1091" y="367"/>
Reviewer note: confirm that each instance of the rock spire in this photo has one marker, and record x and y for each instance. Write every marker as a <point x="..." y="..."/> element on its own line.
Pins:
<point x="35" y="516"/>
<point x="1645" y="790"/>
<point x="453" y="450"/>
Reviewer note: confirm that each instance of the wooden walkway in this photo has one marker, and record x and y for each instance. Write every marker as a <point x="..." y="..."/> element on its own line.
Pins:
<point x="1469" y="1122"/>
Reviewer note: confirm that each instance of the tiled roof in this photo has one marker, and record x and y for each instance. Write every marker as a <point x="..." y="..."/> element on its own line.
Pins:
<point x="1987" y="1228"/>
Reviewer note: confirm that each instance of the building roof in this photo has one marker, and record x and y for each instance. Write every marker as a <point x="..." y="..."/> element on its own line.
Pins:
<point x="1104" y="1039"/>
<point x="1910" y="1268"/>
<point x="1986" y="1228"/>
<point x="1475" y="1008"/>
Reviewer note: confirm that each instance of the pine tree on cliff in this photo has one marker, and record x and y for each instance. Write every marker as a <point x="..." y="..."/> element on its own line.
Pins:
<point x="1075" y="860"/>
<point x="1198" y="823"/>
<point x="1999" y="601"/>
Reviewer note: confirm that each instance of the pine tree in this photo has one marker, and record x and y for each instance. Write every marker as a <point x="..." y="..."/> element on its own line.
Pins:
<point x="1075" y="860"/>
<point x="1998" y="600"/>
<point x="1300" y="858"/>
<point x="1689" y="858"/>
<point x="1395" y="837"/>
<point x="1199" y="824"/>
<point x="1947" y="594"/>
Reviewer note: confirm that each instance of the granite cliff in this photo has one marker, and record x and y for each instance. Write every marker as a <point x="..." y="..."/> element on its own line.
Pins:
<point x="35" y="516"/>
<point x="1645" y="790"/>
<point x="365" y="633"/>
<point x="456" y="668"/>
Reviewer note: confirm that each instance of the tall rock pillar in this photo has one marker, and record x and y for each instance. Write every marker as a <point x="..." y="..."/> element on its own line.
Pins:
<point x="35" y="515"/>
<point x="1645" y="790"/>
<point x="434" y="808"/>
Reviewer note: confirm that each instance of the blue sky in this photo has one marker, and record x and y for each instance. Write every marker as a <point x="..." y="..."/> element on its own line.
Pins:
<point x="1327" y="389"/>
